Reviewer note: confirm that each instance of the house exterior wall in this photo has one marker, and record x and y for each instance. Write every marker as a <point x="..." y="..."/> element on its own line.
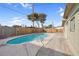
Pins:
<point x="66" y="30"/>
<point x="76" y="34"/>
<point x="73" y="37"/>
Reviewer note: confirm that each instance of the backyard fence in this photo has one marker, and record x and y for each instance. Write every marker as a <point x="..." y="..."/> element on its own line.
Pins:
<point x="8" y="31"/>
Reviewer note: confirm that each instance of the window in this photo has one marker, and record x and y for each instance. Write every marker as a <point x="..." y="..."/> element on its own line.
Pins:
<point x="72" y="24"/>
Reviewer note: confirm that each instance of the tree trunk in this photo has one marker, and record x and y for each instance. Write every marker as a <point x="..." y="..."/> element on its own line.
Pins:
<point x="37" y="23"/>
<point x="42" y="25"/>
<point x="33" y="23"/>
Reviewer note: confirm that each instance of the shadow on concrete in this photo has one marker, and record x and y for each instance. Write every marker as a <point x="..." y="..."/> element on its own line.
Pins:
<point x="50" y="52"/>
<point x="43" y="51"/>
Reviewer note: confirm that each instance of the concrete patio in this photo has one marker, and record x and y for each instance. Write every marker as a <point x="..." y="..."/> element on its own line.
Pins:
<point x="56" y="45"/>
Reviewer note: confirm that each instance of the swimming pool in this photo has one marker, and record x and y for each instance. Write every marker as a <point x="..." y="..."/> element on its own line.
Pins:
<point x="27" y="38"/>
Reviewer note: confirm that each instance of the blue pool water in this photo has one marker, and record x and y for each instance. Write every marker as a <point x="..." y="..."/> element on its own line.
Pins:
<point x="27" y="38"/>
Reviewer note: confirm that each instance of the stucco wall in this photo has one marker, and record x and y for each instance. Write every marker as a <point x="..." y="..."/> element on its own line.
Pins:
<point x="73" y="37"/>
<point x="76" y="34"/>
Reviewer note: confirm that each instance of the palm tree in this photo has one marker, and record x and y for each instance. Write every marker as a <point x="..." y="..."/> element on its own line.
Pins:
<point x="42" y="18"/>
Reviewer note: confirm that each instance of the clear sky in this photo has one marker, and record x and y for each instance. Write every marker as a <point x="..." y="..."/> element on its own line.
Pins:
<point x="16" y="13"/>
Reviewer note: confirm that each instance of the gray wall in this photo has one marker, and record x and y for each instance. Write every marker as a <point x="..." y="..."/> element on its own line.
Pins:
<point x="4" y="30"/>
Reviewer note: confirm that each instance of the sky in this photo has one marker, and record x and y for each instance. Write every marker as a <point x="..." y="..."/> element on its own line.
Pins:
<point x="16" y="13"/>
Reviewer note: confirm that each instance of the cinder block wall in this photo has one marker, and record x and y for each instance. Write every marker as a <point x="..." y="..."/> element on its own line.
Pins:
<point x="22" y="31"/>
<point x="12" y="31"/>
<point x="50" y="30"/>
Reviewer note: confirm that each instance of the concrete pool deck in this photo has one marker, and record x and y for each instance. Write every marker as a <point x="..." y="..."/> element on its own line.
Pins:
<point x="54" y="45"/>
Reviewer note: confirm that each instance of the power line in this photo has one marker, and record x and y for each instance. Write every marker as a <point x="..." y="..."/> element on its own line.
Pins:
<point x="14" y="10"/>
